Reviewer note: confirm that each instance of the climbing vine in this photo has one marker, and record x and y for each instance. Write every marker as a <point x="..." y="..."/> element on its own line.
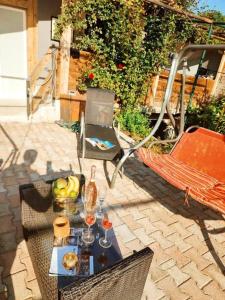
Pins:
<point x="129" y="40"/>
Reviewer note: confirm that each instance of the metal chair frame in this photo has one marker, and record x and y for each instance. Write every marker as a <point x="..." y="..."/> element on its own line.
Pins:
<point x="83" y="123"/>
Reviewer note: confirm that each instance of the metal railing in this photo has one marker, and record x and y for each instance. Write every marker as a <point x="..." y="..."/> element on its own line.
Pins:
<point x="32" y="83"/>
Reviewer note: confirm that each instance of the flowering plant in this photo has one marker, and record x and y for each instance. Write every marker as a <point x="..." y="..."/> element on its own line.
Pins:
<point x="129" y="40"/>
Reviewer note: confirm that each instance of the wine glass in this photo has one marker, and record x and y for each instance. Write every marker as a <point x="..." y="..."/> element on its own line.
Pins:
<point x="101" y="198"/>
<point x="107" y="225"/>
<point x="90" y="219"/>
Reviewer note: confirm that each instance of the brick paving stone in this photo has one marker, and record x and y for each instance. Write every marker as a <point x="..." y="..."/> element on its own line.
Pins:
<point x="168" y="285"/>
<point x="167" y="264"/>
<point x="177" y="227"/>
<point x="26" y="261"/>
<point x="3" y="288"/>
<point x="195" y="229"/>
<point x="135" y="245"/>
<point x="12" y="190"/>
<point x="115" y="219"/>
<point x="3" y="197"/>
<point x="4" y="209"/>
<point x="212" y="256"/>
<point x="131" y="223"/>
<point x="200" y="278"/>
<point x="177" y="240"/>
<point x="2" y="188"/>
<point x="200" y="246"/>
<point x="164" y="243"/>
<point x="147" y="225"/>
<point x="125" y="251"/>
<point x="9" y="181"/>
<point x="164" y="228"/>
<point x="213" y="290"/>
<point x="180" y="258"/>
<point x="35" y="290"/>
<point x="149" y="213"/>
<point x="16" y="287"/>
<point x="7" y="242"/>
<point x="178" y="276"/>
<point x="6" y="224"/>
<point x="219" y="237"/>
<point x="23" y="249"/>
<point x="121" y="211"/>
<point x="136" y="214"/>
<point x="190" y="288"/>
<point x="14" y="200"/>
<point x="183" y="247"/>
<point x="143" y="237"/>
<point x="160" y="255"/>
<point x="156" y="206"/>
<point x="184" y="215"/>
<point x="16" y="214"/>
<point x="200" y="261"/>
<point x="125" y="233"/>
<point x="11" y="263"/>
<point x="216" y="275"/>
<point x="156" y="273"/>
<point x="151" y="291"/>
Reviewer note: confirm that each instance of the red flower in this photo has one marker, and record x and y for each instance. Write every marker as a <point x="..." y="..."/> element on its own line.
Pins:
<point x="91" y="76"/>
<point x="120" y="66"/>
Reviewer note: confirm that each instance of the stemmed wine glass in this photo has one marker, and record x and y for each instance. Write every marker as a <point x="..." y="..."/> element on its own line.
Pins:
<point x="101" y="198"/>
<point x="90" y="219"/>
<point x="107" y="225"/>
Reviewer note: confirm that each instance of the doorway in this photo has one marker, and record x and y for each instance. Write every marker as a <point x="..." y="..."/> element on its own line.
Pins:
<point x="13" y="62"/>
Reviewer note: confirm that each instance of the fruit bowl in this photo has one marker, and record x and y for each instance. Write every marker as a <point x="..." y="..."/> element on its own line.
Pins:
<point x="66" y="189"/>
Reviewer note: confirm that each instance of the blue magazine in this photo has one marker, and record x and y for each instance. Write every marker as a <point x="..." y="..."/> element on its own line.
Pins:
<point x="101" y="144"/>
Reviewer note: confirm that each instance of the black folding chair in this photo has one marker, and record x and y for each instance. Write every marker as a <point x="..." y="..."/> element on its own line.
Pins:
<point x="97" y="122"/>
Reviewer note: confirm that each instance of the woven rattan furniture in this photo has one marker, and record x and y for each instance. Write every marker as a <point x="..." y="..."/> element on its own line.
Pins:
<point x="37" y="217"/>
<point x="123" y="281"/>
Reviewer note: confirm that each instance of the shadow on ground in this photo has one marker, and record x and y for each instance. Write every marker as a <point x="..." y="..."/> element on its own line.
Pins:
<point x="173" y="200"/>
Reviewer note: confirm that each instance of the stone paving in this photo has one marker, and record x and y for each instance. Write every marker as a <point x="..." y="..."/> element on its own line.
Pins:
<point x="188" y="242"/>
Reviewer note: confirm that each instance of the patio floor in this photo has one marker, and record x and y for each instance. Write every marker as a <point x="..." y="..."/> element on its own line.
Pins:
<point x="188" y="242"/>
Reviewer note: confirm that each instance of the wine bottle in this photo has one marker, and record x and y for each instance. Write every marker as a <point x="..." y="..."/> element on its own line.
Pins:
<point x="91" y="191"/>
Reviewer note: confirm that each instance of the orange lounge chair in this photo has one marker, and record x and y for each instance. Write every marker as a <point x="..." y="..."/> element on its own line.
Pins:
<point x="196" y="165"/>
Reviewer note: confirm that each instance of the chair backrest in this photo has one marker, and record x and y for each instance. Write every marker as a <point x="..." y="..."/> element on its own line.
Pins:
<point x="203" y="150"/>
<point x="99" y="107"/>
<point x="125" y="281"/>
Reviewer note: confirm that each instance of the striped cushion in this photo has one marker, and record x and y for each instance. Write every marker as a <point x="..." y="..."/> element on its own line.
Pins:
<point x="200" y="186"/>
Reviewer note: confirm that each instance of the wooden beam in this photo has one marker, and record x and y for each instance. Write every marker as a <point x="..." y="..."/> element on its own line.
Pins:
<point x="179" y="11"/>
<point x="32" y="34"/>
<point x="65" y="44"/>
<point x="15" y="3"/>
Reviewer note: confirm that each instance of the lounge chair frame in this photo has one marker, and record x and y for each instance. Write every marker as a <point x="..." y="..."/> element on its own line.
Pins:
<point x="177" y="59"/>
